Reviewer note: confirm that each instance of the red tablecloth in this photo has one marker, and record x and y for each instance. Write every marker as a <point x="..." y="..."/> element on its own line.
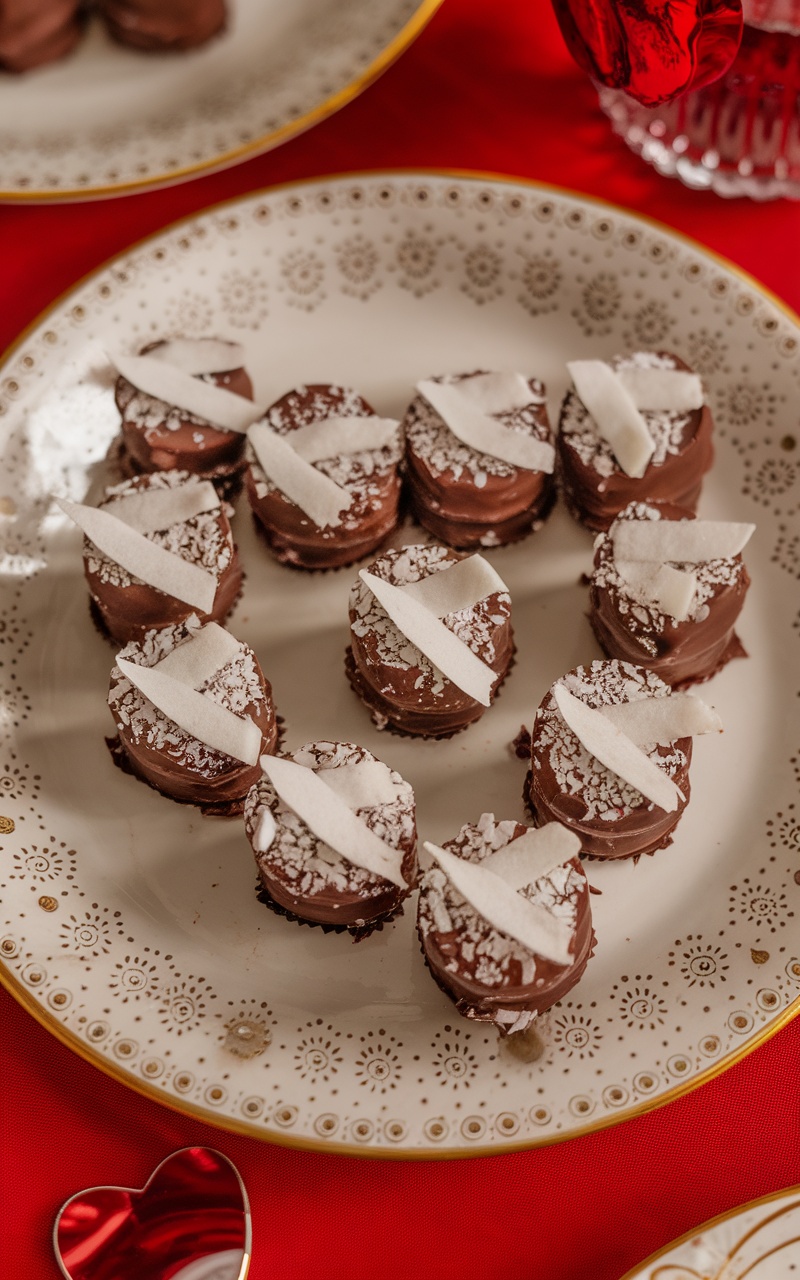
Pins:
<point x="487" y="87"/>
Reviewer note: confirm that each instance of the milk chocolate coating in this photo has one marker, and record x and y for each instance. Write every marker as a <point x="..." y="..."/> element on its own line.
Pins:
<point x="411" y="697"/>
<point x="293" y="537"/>
<point x="454" y="960"/>
<point x="170" y="759"/>
<point x="595" y="499"/>
<point x="160" y="437"/>
<point x="129" y="611"/>
<point x="35" y="32"/>
<point x="566" y="784"/>
<point x="467" y="499"/>
<point x="342" y="895"/>
<point x="164" y="25"/>
<point x="681" y="653"/>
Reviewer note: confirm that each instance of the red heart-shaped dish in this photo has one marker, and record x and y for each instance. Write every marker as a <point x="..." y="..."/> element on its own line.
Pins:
<point x="190" y="1222"/>
<point x="652" y="50"/>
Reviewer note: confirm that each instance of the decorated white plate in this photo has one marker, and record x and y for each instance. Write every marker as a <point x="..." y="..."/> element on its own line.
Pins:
<point x="130" y="925"/>
<point x="760" y="1240"/>
<point x="109" y="120"/>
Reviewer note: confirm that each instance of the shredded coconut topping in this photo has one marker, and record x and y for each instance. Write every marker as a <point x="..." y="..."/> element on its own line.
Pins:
<point x="645" y="620"/>
<point x="577" y="772"/>
<point x="308" y="864"/>
<point x="362" y="474"/>
<point x="205" y="540"/>
<point x="148" y="413"/>
<point x="483" y="952"/>
<point x="432" y="440"/>
<point x="237" y="686"/>
<point x="667" y="429"/>
<point x="476" y="627"/>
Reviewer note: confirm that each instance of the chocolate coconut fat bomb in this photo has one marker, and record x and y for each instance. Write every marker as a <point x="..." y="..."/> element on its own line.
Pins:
<point x="634" y="430"/>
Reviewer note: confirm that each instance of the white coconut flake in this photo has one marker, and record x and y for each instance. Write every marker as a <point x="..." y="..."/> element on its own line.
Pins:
<point x="265" y="832"/>
<point x="500" y="392"/>
<point x="670" y="590"/>
<point x="504" y="908"/>
<point x="533" y="855"/>
<point x="150" y="563"/>
<point x="364" y="784"/>
<point x="462" y="585"/>
<point x="221" y="408"/>
<point x="482" y="433"/>
<point x="212" y="724"/>
<point x="198" y="659"/>
<point x="331" y="437"/>
<point x="616" y="751"/>
<point x="200" y="355"/>
<point x="331" y="820"/>
<point x="615" y="415"/>
<point x="313" y="492"/>
<point x="442" y="647"/>
<point x="680" y="541"/>
<point x="655" y="389"/>
<point x="663" y="720"/>
<point x="154" y="509"/>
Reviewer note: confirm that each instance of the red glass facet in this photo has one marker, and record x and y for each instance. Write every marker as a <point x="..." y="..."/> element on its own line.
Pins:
<point x="193" y="1211"/>
<point x="654" y="50"/>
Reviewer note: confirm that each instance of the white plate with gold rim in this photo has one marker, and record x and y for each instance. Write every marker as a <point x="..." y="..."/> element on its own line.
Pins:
<point x="108" y="120"/>
<point x="760" y="1240"/>
<point x="130" y="926"/>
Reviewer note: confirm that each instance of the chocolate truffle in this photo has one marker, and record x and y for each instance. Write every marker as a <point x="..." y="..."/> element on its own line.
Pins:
<point x="157" y="436"/>
<point x="163" y="25"/>
<point x="403" y="688"/>
<point x="490" y="975"/>
<point x="305" y="878"/>
<point x="466" y="497"/>
<point x="35" y="32"/>
<point x="210" y="667"/>
<point x="629" y="625"/>
<point x="595" y="486"/>
<point x="367" y="478"/>
<point x="568" y="784"/>
<point x="129" y="607"/>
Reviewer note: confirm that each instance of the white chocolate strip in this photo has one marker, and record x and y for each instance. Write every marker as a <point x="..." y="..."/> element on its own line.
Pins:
<point x="616" y="751"/>
<point x="331" y="820"/>
<point x="198" y="659"/>
<point x="663" y="720"/>
<point x="216" y="726"/>
<point x="671" y="590"/>
<point x="364" y="784"/>
<point x="615" y="415"/>
<point x="533" y="855"/>
<point x="482" y="433"/>
<point x="334" y="436"/>
<point x="670" y="390"/>
<point x="154" y="565"/>
<point x="154" y="509"/>
<point x="504" y="908"/>
<point x="498" y="392"/>
<point x="461" y="586"/>
<point x="313" y="492"/>
<point x="452" y="656"/>
<point x="222" y="409"/>
<point x="680" y="541"/>
<point x="200" y="355"/>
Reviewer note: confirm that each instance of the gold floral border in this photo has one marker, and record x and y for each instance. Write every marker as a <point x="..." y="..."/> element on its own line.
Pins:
<point x="230" y="1124"/>
<point x="265" y="142"/>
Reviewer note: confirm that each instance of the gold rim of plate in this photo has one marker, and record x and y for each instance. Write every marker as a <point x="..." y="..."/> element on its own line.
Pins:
<point x="247" y="150"/>
<point x="231" y="1124"/>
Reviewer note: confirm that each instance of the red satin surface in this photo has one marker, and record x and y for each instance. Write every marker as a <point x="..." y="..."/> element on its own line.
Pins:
<point x="490" y="87"/>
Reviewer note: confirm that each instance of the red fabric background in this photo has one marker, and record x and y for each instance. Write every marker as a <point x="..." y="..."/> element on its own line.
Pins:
<point x="486" y="87"/>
